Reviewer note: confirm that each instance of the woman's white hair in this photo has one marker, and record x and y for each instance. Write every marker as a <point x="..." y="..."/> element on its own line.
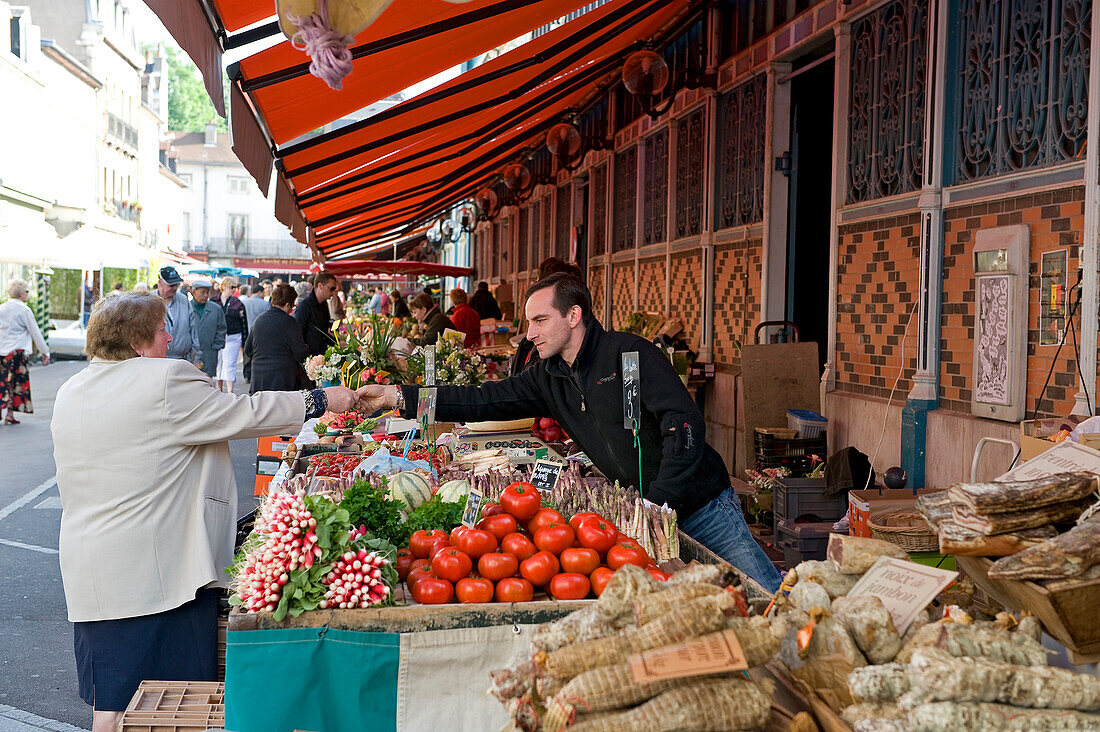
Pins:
<point x="17" y="288"/>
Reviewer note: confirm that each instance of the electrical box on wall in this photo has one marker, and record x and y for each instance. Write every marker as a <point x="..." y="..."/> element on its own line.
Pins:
<point x="1001" y="259"/>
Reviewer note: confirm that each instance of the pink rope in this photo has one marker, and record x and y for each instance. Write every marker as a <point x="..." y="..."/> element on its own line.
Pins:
<point x="327" y="49"/>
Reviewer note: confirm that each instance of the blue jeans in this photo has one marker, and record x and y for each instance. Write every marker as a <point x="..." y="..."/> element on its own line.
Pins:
<point x="720" y="526"/>
<point x="85" y="319"/>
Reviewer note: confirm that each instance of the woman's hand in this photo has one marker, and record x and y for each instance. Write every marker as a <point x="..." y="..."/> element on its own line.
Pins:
<point x="340" y="398"/>
<point x="374" y="397"/>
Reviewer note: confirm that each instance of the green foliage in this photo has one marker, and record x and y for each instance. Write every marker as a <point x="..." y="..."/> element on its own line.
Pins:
<point x="189" y="107"/>
<point x="370" y="506"/>
<point x="65" y="294"/>
<point x="434" y="514"/>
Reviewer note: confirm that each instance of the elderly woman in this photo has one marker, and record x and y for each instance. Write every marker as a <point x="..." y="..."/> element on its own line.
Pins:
<point x="426" y="312"/>
<point x="275" y="348"/>
<point x="17" y="331"/>
<point x="149" y="506"/>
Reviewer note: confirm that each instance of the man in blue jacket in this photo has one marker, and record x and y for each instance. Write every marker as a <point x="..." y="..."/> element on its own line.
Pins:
<point x="578" y="382"/>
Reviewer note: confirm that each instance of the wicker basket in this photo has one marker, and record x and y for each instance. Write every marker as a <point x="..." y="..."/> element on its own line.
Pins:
<point x="906" y="528"/>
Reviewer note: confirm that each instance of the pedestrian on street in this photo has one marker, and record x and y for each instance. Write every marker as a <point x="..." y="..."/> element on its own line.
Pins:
<point x="236" y="323"/>
<point x="428" y="314"/>
<point x="465" y="318"/>
<point x="578" y="382"/>
<point x="374" y="305"/>
<point x="178" y="314"/>
<point x="302" y="289"/>
<point x="89" y="300"/>
<point x="150" y="503"/>
<point x="254" y="303"/>
<point x="207" y="327"/>
<point x="311" y="312"/>
<point x="484" y="303"/>
<point x="400" y="305"/>
<point x="274" y="350"/>
<point x="18" y="330"/>
<point x="384" y="304"/>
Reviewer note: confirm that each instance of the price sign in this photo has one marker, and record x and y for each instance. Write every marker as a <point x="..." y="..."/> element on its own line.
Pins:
<point x="545" y="475"/>
<point x="708" y="654"/>
<point x="904" y="587"/>
<point x="429" y="366"/>
<point x="632" y="400"/>
<point x="425" y="405"/>
<point x="473" y="508"/>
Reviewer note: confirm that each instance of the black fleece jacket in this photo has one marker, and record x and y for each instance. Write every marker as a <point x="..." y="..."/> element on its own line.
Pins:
<point x="678" y="467"/>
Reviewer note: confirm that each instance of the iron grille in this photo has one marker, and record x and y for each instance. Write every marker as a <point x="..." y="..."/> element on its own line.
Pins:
<point x="742" y="112"/>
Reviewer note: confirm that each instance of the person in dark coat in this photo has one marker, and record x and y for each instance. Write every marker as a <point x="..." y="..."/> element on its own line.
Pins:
<point x="484" y="303"/>
<point x="275" y="348"/>
<point x="400" y="307"/>
<point x="428" y="314"/>
<point x="313" y="316"/>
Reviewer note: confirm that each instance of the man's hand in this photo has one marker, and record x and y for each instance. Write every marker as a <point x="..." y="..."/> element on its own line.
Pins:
<point x="340" y="398"/>
<point x="374" y="397"/>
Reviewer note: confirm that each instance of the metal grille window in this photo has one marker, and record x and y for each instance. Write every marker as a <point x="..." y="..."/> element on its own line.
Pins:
<point x="523" y="245"/>
<point x="689" y="175"/>
<point x="1021" y="85"/>
<point x="599" y="210"/>
<point x="655" y="190"/>
<point x="625" y="198"/>
<point x="563" y="227"/>
<point x="886" y="106"/>
<point x="741" y="120"/>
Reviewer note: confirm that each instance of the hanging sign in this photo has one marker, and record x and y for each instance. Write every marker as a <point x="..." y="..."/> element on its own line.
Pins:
<point x="632" y="401"/>
<point x="429" y="365"/>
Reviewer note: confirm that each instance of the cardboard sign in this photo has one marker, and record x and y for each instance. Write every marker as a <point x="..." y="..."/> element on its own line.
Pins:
<point x="545" y="475"/>
<point x="632" y="401"/>
<point x="473" y="508"/>
<point x="708" y="654"/>
<point x="429" y="366"/>
<point x="905" y="588"/>
<point x="1064" y="457"/>
<point x="425" y="405"/>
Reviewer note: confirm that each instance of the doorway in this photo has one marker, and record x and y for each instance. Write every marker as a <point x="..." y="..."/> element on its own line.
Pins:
<point x="580" y="226"/>
<point x="811" y="151"/>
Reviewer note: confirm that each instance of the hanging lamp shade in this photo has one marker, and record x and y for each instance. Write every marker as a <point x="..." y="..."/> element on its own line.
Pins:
<point x="563" y="140"/>
<point x="486" y="200"/>
<point x="517" y="177"/>
<point x="645" y="73"/>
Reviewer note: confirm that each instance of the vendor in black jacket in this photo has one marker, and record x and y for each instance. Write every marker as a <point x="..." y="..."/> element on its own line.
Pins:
<point x="578" y="383"/>
<point x="312" y="314"/>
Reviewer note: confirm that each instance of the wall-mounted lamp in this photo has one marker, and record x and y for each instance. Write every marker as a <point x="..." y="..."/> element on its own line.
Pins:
<point x="517" y="179"/>
<point x="564" y="142"/>
<point x="645" y="75"/>
<point x="486" y="201"/>
<point x="467" y="220"/>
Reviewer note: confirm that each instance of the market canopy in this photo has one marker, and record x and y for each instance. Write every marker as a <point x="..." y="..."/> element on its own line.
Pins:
<point x="360" y="267"/>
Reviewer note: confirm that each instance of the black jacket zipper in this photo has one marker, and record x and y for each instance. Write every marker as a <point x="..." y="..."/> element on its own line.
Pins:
<point x="574" y="378"/>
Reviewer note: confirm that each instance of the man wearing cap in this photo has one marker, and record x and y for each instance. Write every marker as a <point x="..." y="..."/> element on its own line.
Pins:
<point x="178" y="318"/>
<point x="207" y="326"/>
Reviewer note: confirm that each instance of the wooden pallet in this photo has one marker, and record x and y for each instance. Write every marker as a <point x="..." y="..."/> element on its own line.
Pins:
<point x="175" y="706"/>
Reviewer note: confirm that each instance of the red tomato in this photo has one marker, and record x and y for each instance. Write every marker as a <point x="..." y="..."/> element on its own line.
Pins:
<point x="421" y="541"/>
<point x="577" y="518"/>
<point x="491" y="509"/>
<point x="519" y="545"/>
<point x="521" y="500"/>
<point x="540" y="568"/>
<point x="580" y="559"/>
<point x="418" y="572"/>
<point x="474" y="589"/>
<point x="599" y="579"/>
<point x="403" y="562"/>
<point x="452" y="564"/>
<point x="556" y="538"/>
<point x="658" y="575"/>
<point x="456" y="532"/>
<point x="544" y="519"/>
<point x="499" y="526"/>
<point x="514" y="589"/>
<point x="475" y="543"/>
<point x="497" y="565"/>
<point x="597" y="534"/>
<point x="570" y="586"/>
<point x="437" y="546"/>
<point x="433" y="591"/>
<point x="626" y="552"/>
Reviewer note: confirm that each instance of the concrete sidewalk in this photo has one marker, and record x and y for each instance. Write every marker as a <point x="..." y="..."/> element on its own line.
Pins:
<point x="16" y="720"/>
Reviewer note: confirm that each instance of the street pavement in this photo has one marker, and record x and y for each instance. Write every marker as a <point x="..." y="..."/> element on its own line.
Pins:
<point x="38" y="687"/>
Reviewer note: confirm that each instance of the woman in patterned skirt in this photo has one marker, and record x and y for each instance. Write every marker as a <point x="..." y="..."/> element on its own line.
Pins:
<point x="18" y="330"/>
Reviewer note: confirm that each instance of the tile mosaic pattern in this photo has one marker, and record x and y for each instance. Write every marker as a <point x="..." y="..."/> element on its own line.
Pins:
<point x="687" y="292"/>
<point x="622" y="292"/>
<point x="651" y="285"/>
<point x="595" y="286"/>
<point x="737" y="278"/>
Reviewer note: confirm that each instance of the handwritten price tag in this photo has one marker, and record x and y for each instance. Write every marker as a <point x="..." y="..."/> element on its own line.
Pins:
<point x="709" y="654"/>
<point x="904" y="587"/>
<point x="545" y="475"/>
<point x="632" y="402"/>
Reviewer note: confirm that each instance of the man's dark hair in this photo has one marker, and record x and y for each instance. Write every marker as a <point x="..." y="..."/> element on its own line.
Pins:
<point x="551" y="265"/>
<point x="569" y="290"/>
<point x="483" y="285"/>
<point x="323" y="278"/>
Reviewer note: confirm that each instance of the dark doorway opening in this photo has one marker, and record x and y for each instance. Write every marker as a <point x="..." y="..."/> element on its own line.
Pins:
<point x="811" y="151"/>
<point x="580" y="221"/>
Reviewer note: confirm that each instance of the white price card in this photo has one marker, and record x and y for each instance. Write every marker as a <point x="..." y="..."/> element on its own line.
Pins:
<point x="904" y="587"/>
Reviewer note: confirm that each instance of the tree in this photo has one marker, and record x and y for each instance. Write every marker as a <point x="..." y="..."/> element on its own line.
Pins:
<point x="189" y="107"/>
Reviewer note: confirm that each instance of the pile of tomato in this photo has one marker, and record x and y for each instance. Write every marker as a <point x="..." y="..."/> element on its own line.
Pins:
<point x="335" y="464"/>
<point x="516" y="547"/>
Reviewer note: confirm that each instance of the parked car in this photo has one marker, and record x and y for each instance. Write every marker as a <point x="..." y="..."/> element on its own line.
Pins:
<point x="66" y="339"/>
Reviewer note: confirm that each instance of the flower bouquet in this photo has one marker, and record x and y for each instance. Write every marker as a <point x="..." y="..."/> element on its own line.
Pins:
<point x="362" y="354"/>
<point x="453" y="365"/>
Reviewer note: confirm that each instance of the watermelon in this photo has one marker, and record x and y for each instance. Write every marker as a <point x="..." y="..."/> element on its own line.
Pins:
<point x="410" y="488"/>
<point x="454" y="491"/>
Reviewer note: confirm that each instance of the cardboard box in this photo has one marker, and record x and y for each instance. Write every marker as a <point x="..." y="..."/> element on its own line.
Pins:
<point x="861" y="504"/>
<point x="1033" y="434"/>
<point x="520" y="446"/>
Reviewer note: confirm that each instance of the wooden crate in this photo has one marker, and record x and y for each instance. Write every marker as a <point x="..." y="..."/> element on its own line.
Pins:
<point x="1067" y="608"/>
<point x="175" y="706"/>
<point x="223" y="626"/>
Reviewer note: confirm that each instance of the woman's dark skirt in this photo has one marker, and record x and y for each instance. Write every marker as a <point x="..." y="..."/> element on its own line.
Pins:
<point x="114" y="656"/>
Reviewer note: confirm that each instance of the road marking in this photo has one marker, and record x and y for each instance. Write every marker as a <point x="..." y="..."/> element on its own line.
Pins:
<point x="27" y="498"/>
<point x="51" y="502"/>
<point x="32" y="547"/>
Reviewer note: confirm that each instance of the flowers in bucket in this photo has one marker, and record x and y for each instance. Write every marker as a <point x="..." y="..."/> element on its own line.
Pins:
<point x="362" y="354"/>
<point x="453" y="364"/>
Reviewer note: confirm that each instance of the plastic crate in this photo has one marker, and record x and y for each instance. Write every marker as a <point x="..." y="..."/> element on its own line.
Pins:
<point x="800" y="542"/>
<point x="808" y="422"/>
<point x="175" y="706"/>
<point x="797" y="498"/>
<point x="795" y="454"/>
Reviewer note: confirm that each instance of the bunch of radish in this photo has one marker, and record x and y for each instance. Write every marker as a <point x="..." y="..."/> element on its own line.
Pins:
<point x="356" y="581"/>
<point x="285" y="528"/>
